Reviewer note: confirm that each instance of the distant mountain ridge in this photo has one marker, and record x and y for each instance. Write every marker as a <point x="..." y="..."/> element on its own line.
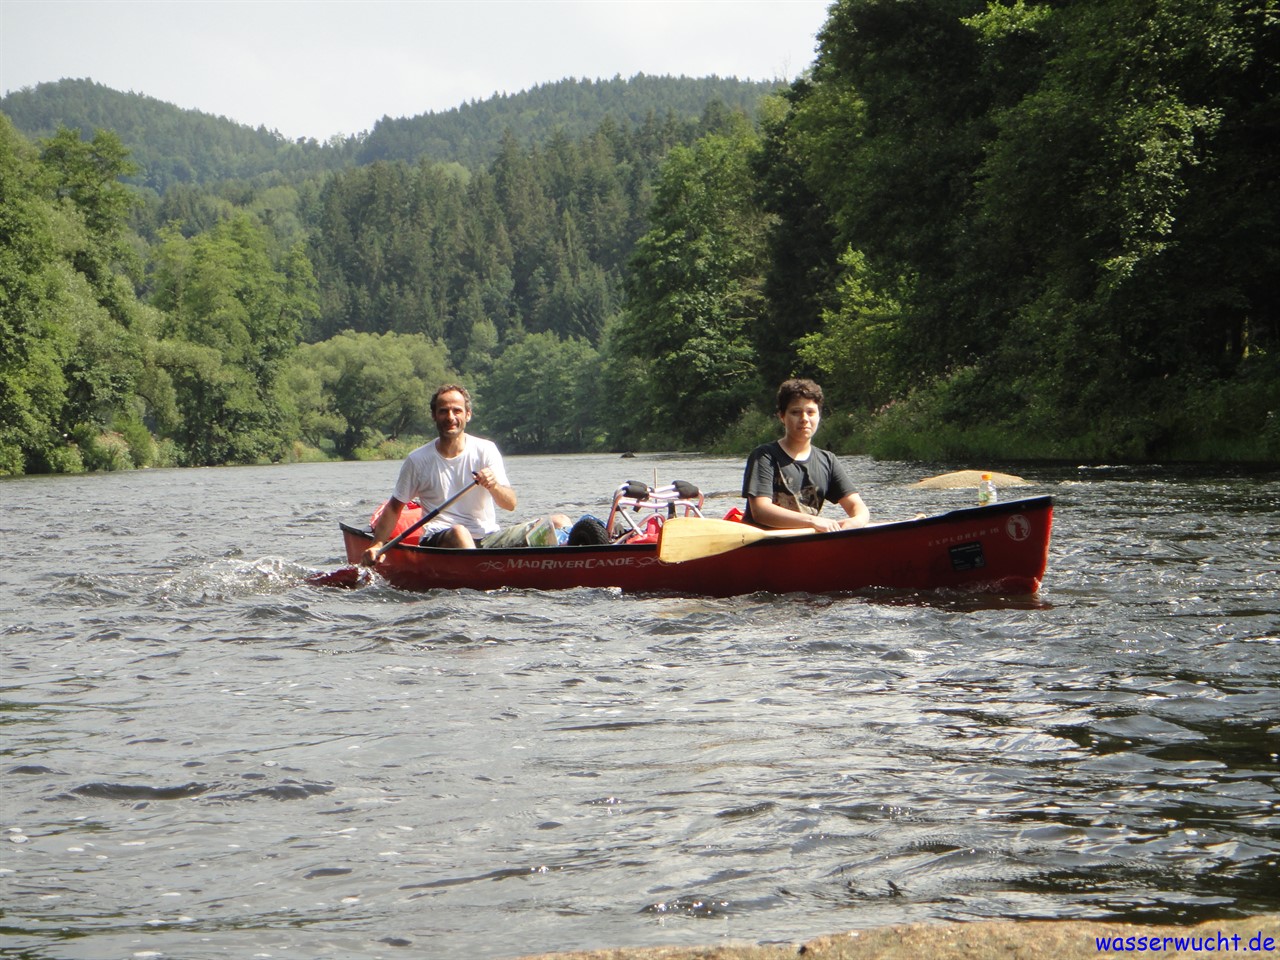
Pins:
<point x="172" y="145"/>
<point x="470" y="134"/>
<point x="176" y="145"/>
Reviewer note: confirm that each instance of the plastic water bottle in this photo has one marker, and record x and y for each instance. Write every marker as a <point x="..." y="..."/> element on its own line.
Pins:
<point x="987" y="491"/>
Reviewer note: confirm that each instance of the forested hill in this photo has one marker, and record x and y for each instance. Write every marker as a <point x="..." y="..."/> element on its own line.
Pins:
<point x="172" y="145"/>
<point x="470" y="134"/>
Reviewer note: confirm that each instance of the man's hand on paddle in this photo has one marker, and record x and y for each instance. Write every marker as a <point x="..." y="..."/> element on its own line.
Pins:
<point x="382" y="531"/>
<point x="503" y="496"/>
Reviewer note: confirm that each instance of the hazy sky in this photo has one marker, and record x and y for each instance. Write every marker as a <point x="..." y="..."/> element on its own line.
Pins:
<point x="310" y="68"/>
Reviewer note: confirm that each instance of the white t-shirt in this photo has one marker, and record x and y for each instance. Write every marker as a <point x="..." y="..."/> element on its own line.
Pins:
<point x="432" y="479"/>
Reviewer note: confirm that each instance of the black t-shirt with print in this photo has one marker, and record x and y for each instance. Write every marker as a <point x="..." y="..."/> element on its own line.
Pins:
<point x="802" y="485"/>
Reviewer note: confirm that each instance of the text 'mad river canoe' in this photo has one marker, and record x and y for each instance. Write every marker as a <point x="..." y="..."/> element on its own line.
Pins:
<point x="1002" y="548"/>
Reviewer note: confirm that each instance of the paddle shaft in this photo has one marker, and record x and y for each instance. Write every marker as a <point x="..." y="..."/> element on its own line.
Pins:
<point x="420" y="522"/>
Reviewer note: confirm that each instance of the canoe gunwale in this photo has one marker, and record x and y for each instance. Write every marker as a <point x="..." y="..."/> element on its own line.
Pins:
<point x="951" y="516"/>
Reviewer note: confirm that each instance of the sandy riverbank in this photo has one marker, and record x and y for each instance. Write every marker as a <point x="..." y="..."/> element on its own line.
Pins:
<point x="1255" y="937"/>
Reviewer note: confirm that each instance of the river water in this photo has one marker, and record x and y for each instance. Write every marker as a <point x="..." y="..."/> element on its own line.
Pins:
<point x="205" y="757"/>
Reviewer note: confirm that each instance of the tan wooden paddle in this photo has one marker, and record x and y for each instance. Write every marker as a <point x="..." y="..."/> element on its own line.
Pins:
<point x="692" y="538"/>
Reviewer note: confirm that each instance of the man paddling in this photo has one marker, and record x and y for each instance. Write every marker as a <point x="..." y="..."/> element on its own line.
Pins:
<point x="787" y="481"/>
<point x="437" y="470"/>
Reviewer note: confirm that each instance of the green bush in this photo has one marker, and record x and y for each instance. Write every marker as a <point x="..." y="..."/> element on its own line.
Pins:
<point x="65" y="459"/>
<point x="927" y="426"/>
<point x="142" y="446"/>
<point x="750" y="430"/>
<point x="11" y="460"/>
<point x="299" y="452"/>
<point x="105" y="451"/>
<point x="387" y="448"/>
<point x="167" y="454"/>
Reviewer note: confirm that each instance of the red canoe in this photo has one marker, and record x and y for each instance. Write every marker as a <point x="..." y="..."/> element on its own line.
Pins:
<point x="1002" y="548"/>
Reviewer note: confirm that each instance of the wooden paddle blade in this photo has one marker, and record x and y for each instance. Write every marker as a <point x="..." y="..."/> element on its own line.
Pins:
<point x="347" y="577"/>
<point x="692" y="538"/>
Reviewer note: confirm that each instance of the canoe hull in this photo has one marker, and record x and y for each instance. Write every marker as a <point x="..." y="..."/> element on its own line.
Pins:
<point x="1002" y="548"/>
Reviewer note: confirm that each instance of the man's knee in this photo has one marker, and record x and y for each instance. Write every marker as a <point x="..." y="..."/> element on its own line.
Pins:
<point x="457" y="536"/>
<point x="460" y="537"/>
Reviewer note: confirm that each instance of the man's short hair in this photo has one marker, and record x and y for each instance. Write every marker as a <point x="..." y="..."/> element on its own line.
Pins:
<point x="451" y="388"/>
<point x="798" y="387"/>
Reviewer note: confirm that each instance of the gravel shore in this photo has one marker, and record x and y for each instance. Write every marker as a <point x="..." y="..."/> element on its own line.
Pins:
<point x="1024" y="940"/>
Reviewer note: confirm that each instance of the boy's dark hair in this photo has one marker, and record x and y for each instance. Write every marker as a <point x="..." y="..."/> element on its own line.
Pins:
<point x="798" y="387"/>
<point x="448" y="388"/>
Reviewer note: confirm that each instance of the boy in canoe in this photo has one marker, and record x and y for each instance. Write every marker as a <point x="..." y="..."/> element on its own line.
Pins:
<point x="787" y="481"/>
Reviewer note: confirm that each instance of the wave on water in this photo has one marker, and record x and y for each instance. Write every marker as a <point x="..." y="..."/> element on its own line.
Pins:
<point x="232" y="577"/>
<point x="143" y="794"/>
<point x="195" y="585"/>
